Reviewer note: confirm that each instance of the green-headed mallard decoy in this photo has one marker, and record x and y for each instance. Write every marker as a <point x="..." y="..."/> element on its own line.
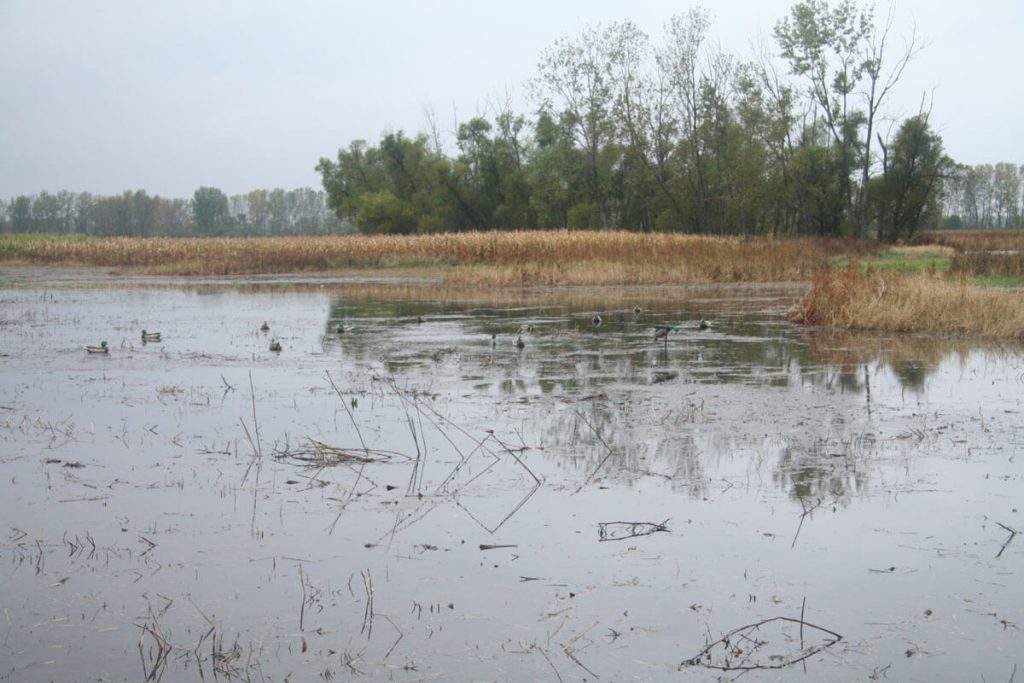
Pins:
<point x="264" y="327"/>
<point x="102" y="348"/>
<point x="520" y="343"/>
<point x="661" y="332"/>
<point x="150" y="336"/>
<point x="596" y="320"/>
<point x="703" y="324"/>
<point x="275" y="346"/>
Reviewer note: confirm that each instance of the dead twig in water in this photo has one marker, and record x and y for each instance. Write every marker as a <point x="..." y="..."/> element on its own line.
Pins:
<point x="570" y="650"/>
<point x="620" y="531"/>
<point x="740" y="646"/>
<point x="487" y="546"/>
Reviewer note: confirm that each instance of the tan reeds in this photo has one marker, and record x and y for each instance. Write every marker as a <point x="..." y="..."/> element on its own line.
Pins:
<point x="901" y="302"/>
<point x="491" y="258"/>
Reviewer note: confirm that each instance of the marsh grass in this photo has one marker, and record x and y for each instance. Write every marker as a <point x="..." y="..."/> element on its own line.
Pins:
<point x="923" y="302"/>
<point x="482" y="259"/>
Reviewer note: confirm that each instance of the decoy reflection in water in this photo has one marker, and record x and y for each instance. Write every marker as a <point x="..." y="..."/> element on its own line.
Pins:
<point x="102" y="348"/>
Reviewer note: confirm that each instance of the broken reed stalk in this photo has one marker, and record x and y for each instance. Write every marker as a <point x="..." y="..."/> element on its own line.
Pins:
<point x="607" y="455"/>
<point x="368" y="609"/>
<point x="302" y="608"/>
<point x="1013" y="534"/>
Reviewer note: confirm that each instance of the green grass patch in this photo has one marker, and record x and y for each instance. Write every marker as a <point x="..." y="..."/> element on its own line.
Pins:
<point x="1005" y="281"/>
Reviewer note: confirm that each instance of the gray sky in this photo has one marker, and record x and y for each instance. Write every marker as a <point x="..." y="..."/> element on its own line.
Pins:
<point x="109" y="95"/>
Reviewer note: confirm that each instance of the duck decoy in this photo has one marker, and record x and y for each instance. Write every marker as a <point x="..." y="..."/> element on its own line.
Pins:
<point x="102" y="348"/>
<point x="637" y="310"/>
<point x="150" y="336"/>
<point x="526" y="328"/>
<point x="275" y="346"/>
<point x="419" y="319"/>
<point x="703" y="324"/>
<point x="520" y="343"/>
<point x="596" y="320"/>
<point x="342" y="329"/>
<point x="661" y="332"/>
<point x="264" y="327"/>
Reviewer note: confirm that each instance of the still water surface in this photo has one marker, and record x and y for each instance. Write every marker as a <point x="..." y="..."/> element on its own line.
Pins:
<point x="411" y="501"/>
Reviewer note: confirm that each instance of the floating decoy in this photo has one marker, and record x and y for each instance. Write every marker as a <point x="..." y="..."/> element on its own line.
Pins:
<point x="661" y="332"/>
<point x="520" y="343"/>
<point x="637" y="310"/>
<point x="102" y="348"/>
<point x="275" y="346"/>
<point x="150" y="336"/>
<point x="264" y="327"/>
<point x="342" y="329"/>
<point x="525" y="329"/>
<point x="419" y="319"/>
<point x="596" y="320"/>
<point x="703" y="324"/>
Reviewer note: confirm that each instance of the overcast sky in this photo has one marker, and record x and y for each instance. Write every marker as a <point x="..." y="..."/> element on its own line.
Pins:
<point x="108" y="95"/>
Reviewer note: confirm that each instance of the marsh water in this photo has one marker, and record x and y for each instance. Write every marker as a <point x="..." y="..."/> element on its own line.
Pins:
<point x="409" y="500"/>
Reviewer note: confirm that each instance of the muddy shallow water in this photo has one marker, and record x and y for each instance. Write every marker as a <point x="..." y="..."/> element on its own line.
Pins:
<point x="422" y="501"/>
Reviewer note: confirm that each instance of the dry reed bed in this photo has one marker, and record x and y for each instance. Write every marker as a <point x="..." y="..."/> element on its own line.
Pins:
<point x="910" y="303"/>
<point x="496" y="258"/>
<point x="1003" y="239"/>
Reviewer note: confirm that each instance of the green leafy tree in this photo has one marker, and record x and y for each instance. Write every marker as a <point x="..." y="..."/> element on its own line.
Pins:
<point x="210" y="210"/>
<point x="908" y="192"/>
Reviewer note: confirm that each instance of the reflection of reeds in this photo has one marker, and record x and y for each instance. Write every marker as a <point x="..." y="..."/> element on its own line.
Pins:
<point x="496" y="258"/>
<point x="909" y="303"/>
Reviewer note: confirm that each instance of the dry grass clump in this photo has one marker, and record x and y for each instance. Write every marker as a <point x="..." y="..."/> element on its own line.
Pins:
<point x="903" y="302"/>
<point x="490" y="258"/>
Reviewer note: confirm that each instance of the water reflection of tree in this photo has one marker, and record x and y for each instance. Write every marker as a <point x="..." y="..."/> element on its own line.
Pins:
<point x="820" y="473"/>
<point x="912" y="359"/>
<point x="578" y="438"/>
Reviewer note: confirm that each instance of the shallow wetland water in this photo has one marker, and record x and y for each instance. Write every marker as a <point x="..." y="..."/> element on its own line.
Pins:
<point x="421" y="501"/>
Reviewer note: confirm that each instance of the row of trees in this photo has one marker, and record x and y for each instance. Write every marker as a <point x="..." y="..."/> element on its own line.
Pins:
<point x="674" y="136"/>
<point x="985" y="196"/>
<point x="208" y="212"/>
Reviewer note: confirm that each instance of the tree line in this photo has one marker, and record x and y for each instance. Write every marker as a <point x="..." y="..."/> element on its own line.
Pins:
<point x="984" y="196"/>
<point x="208" y="212"/>
<point x="677" y="136"/>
